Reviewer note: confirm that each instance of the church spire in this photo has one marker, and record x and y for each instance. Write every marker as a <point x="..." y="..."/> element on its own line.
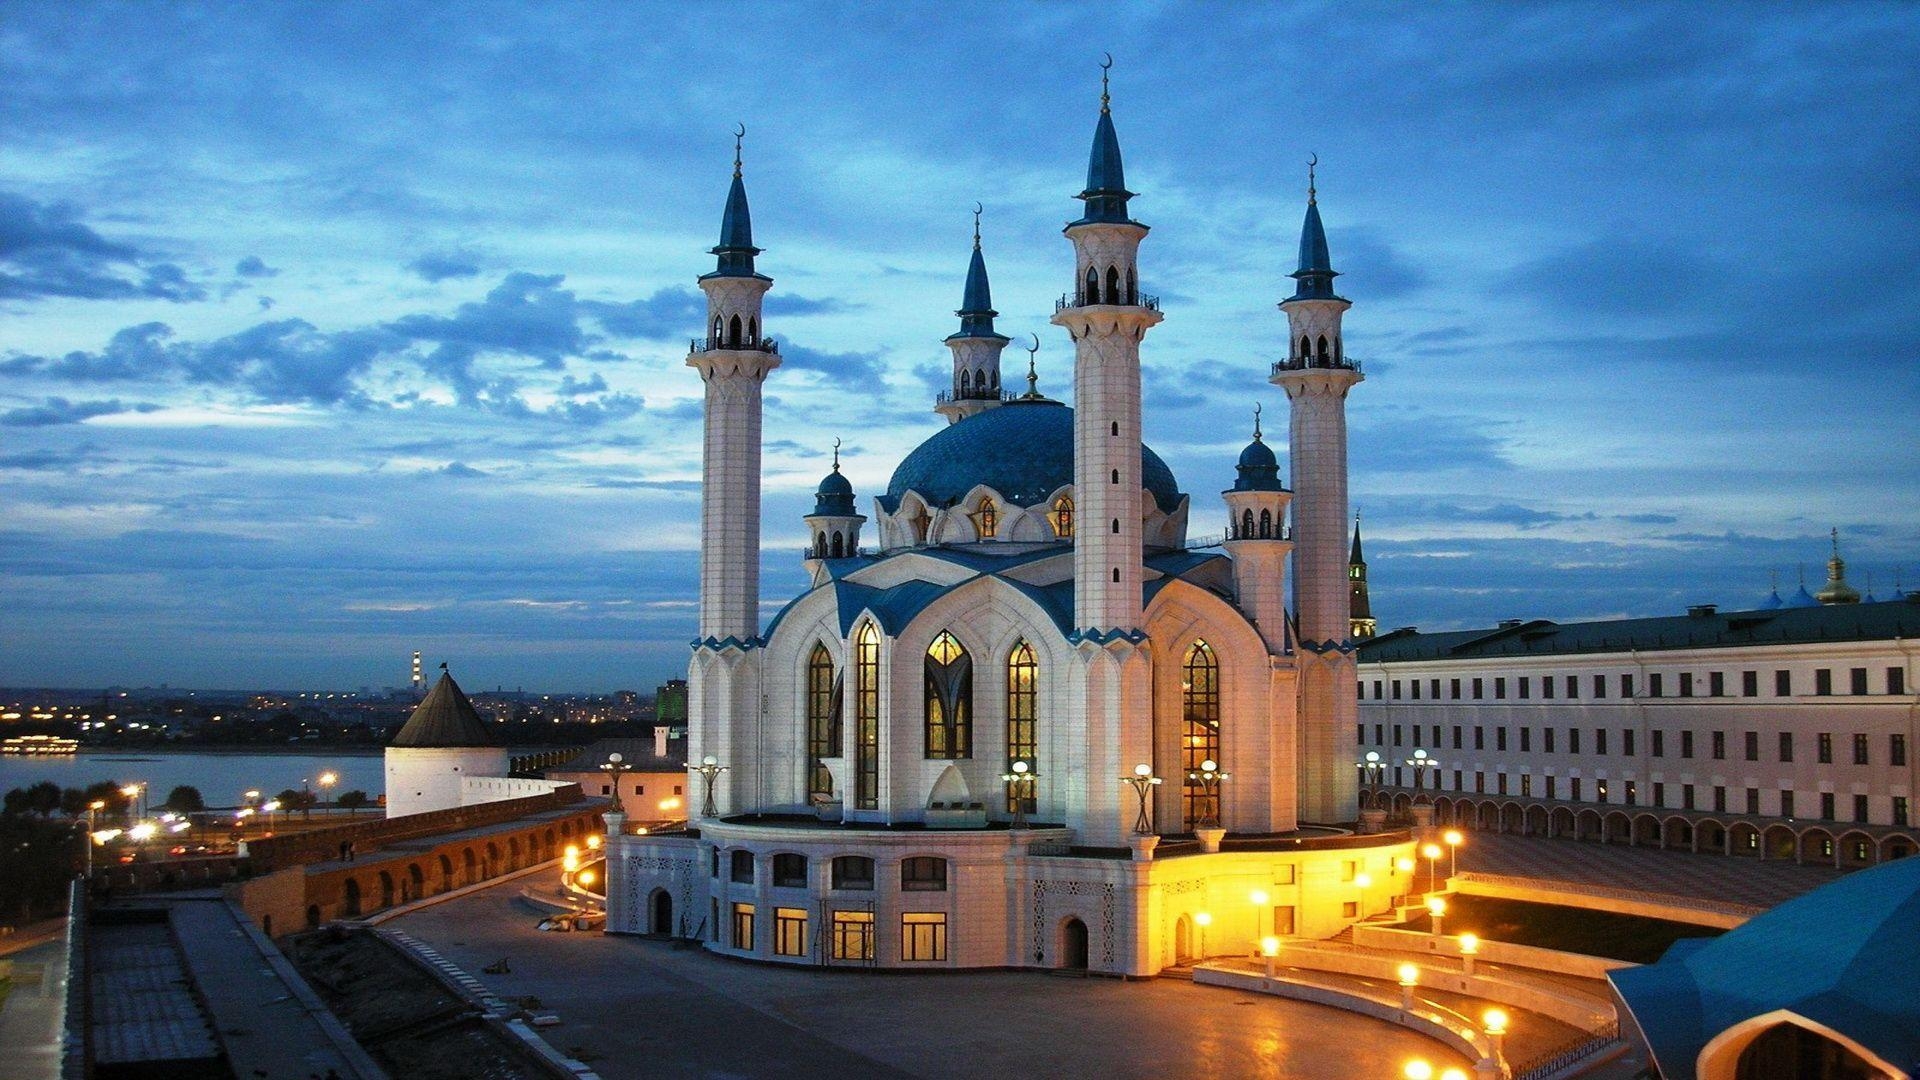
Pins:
<point x="1836" y="590"/>
<point x="1106" y="194"/>
<point x="736" y="250"/>
<point x="1361" y="614"/>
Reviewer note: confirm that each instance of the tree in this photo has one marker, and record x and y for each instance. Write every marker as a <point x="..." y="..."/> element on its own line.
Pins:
<point x="108" y="791"/>
<point x="185" y="799"/>
<point x="44" y="798"/>
<point x="294" y="799"/>
<point x="354" y="800"/>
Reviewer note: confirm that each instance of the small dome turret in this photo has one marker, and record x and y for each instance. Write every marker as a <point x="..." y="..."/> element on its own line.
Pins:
<point x="835" y="495"/>
<point x="1259" y="469"/>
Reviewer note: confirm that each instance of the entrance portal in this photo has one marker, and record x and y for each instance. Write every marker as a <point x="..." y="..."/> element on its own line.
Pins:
<point x="1073" y="945"/>
<point x="662" y="912"/>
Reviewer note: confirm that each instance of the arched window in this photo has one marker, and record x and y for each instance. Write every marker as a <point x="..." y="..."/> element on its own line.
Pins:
<point x="839" y="549"/>
<point x="715" y="342"/>
<point x="1306" y="348"/>
<point x="1323" y="349"/>
<point x="986" y="520"/>
<point x="853" y="872"/>
<point x="1116" y="526"/>
<point x="1116" y="476"/>
<point x="1266" y="524"/>
<point x="1113" y="284"/>
<point x="949" y="698"/>
<point x="1092" y="293"/>
<point x="819" y="545"/>
<point x="823" y="719"/>
<point x="733" y="330"/>
<point x="1116" y="575"/>
<point x="866" y="718"/>
<point x="1023" y="741"/>
<point x="1133" y="295"/>
<point x="966" y="382"/>
<point x="923" y="873"/>
<point x="753" y="329"/>
<point x="1116" y="429"/>
<point x="1200" y="737"/>
<point x="1062" y="518"/>
<point x="1246" y="524"/>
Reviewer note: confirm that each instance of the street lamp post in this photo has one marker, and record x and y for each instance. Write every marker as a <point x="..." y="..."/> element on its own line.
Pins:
<point x="1436" y="907"/>
<point x="617" y="763"/>
<point x="327" y="780"/>
<point x="1143" y="782"/>
<point x="1209" y="778"/>
<point x="1469" y="948"/>
<point x="1259" y="900"/>
<point x="1019" y="779"/>
<point x="1431" y="852"/>
<point x="1495" y="1026"/>
<point x="1454" y="839"/>
<point x="710" y="770"/>
<point x="1203" y="919"/>
<point x="1421" y="763"/>
<point x="1409" y="978"/>
<point x="1370" y="769"/>
<point x="1270" y="951"/>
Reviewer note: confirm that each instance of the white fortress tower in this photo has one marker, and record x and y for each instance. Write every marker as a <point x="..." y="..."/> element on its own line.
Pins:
<point x="440" y="746"/>
<point x="733" y="360"/>
<point x="1316" y="376"/>
<point x="976" y="345"/>
<point x="1107" y="317"/>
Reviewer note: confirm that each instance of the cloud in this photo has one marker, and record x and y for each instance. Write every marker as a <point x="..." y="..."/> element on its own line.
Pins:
<point x="672" y="312"/>
<point x="862" y="370"/>
<point x="460" y="470"/>
<point x="46" y="251"/>
<point x="572" y="387"/>
<point x="58" y="410"/>
<point x="1375" y="267"/>
<point x="1621" y="274"/>
<point x="253" y="267"/>
<point x="441" y="265"/>
<point x="787" y="304"/>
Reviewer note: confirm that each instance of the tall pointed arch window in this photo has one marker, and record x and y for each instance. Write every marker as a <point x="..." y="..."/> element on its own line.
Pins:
<point x="866" y="718"/>
<point x="1062" y="517"/>
<point x="1023" y="736"/>
<point x="949" y="671"/>
<point x="823" y="719"/>
<point x="1200" y="735"/>
<point x="986" y="519"/>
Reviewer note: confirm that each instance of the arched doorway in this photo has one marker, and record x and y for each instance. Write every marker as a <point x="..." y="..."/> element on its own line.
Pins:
<point x="1791" y="1050"/>
<point x="1183" y="940"/>
<point x="352" y="903"/>
<point x="386" y="889"/>
<point x="313" y="916"/>
<point x="1073" y="945"/>
<point x="662" y="914"/>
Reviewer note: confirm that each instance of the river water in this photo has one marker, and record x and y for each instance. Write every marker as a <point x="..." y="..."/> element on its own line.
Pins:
<point x="221" y="776"/>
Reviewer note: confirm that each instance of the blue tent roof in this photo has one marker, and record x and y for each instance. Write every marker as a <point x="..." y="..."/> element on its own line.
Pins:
<point x="1106" y="194"/>
<point x="736" y="250"/>
<point x="1841" y="956"/>
<point x="1023" y="450"/>
<point x="976" y="303"/>
<point x="1316" y="273"/>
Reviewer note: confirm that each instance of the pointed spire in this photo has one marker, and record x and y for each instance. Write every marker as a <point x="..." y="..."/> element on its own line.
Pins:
<point x="1106" y="193"/>
<point x="1315" y="273"/>
<point x="736" y="250"/>
<point x="1355" y="557"/>
<point x="1033" y="379"/>
<point x="976" y="302"/>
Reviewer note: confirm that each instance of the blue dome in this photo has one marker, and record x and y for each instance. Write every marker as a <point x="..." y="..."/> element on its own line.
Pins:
<point x="835" y="495"/>
<point x="1259" y="470"/>
<point x="1023" y="450"/>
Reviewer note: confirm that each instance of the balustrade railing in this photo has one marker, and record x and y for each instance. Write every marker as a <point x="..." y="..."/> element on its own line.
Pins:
<point x="1328" y="363"/>
<point x="701" y="345"/>
<point x="1077" y="300"/>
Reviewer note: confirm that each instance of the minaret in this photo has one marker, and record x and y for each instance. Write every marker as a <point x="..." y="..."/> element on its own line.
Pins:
<point x="1360" y="613"/>
<point x="723" y="694"/>
<point x="733" y="361"/>
<point x="1258" y="540"/>
<point x="1106" y="316"/>
<point x="834" y="524"/>
<point x="1316" y="376"/>
<point x="976" y="346"/>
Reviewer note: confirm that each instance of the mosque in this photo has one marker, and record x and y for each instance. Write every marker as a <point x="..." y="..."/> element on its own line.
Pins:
<point x="1035" y="725"/>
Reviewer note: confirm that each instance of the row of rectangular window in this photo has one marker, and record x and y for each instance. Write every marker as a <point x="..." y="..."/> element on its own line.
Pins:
<point x="1656" y="739"/>
<point x="1576" y="792"/>
<point x="1656" y="685"/>
<point x="923" y="934"/>
<point x="921" y="873"/>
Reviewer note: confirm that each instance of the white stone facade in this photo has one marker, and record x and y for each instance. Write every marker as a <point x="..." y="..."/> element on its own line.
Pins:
<point x="423" y="778"/>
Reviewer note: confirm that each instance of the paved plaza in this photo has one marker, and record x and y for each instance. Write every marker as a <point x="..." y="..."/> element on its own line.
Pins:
<point x="1731" y="879"/>
<point x="634" y="1008"/>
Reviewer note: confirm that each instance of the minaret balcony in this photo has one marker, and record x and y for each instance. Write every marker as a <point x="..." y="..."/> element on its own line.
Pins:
<point x="701" y="345"/>
<point x="1076" y="300"/>
<point x="1329" y="363"/>
<point x="945" y="397"/>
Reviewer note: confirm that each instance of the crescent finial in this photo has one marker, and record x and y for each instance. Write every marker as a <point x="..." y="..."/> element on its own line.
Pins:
<point x="977" y="211"/>
<point x="1104" y="68"/>
<point x="836" y="453"/>
<point x="1313" y="161"/>
<point x="1033" y="380"/>
<point x="739" y="133"/>
<point x="1256" y="421"/>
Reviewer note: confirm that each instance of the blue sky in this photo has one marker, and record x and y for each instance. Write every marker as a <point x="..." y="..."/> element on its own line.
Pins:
<point x="330" y="332"/>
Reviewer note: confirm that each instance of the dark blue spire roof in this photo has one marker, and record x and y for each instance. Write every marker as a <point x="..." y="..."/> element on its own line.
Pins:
<point x="1316" y="273"/>
<point x="736" y="250"/>
<point x="976" y="304"/>
<point x="1106" y="194"/>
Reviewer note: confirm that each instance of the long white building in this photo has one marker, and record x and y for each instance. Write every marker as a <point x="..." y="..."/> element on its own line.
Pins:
<point x="1787" y="732"/>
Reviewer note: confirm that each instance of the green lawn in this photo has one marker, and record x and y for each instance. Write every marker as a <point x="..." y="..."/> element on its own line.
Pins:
<point x="1633" y="938"/>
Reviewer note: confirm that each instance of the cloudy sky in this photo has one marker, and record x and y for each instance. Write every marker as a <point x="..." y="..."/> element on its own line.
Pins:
<point x="332" y="332"/>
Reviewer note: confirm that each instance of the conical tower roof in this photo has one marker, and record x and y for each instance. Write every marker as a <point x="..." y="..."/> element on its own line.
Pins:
<point x="444" y="718"/>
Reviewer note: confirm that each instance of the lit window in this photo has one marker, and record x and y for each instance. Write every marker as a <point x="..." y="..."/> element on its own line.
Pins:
<point x="923" y="935"/>
<point x="789" y="931"/>
<point x="853" y="935"/>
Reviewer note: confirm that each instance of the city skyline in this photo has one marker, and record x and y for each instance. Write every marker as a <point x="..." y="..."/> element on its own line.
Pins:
<point x="378" y="346"/>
